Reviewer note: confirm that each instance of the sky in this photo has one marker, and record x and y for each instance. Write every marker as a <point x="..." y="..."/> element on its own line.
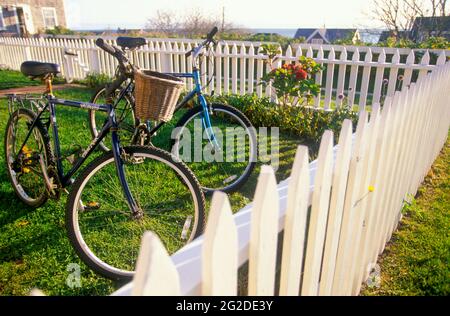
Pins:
<point x="90" y="14"/>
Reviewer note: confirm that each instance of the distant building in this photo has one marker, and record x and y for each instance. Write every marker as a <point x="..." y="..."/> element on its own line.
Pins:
<point x="425" y="27"/>
<point x="28" y="17"/>
<point x="327" y="36"/>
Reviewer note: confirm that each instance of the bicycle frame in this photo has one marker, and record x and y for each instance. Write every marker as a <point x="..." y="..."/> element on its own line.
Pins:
<point x="109" y="126"/>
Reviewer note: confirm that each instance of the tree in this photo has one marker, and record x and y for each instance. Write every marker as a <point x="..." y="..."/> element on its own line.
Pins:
<point x="196" y="23"/>
<point x="165" y="21"/>
<point x="193" y="23"/>
<point x="399" y="16"/>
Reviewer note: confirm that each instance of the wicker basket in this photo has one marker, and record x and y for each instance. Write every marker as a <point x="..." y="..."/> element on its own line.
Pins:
<point x="156" y="95"/>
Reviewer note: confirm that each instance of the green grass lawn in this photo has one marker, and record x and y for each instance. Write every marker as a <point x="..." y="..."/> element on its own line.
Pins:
<point x="417" y="260"/>
<point x="34" y="249"/>
<point x="14" y="79"/>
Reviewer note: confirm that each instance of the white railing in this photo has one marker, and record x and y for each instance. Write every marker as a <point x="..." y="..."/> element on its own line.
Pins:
<point x="337" y="213"/>
<point x="352" y="75"/>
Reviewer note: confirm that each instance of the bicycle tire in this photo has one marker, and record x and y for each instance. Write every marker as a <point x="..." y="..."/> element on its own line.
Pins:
<point x="42" y="130"/>
<point x="74" y="233"/>
<point x="224" y="108"/>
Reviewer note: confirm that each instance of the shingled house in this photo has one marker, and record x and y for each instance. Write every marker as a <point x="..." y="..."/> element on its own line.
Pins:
<point x="425" y="27"/>
<point x="27" y="17"/>
<point x="327" y="36"/>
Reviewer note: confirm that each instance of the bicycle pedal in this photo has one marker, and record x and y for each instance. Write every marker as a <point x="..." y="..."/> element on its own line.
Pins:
<point x="92" y="206"/>
<point x="230" y="179"/>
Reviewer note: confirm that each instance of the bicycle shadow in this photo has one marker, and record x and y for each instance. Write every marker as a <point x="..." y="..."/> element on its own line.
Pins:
<point x="14" y="209"/>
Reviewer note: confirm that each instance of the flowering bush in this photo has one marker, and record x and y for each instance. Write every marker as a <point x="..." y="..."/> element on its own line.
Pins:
<point x="294" y="83"/>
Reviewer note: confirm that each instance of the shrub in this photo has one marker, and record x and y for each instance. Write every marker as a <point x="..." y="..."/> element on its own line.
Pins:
<point x="60" y="30"/>
<point x="294" y="84"/>
<point x="307" y="123"/>
<point x="96" y="81"/>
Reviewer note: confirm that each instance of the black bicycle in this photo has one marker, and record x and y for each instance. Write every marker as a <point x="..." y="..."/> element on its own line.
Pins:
<point x="216" y="141"/>
<point x="116" y="198"/>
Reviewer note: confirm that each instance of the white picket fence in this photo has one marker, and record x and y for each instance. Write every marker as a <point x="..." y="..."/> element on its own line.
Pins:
<point x="364" y="75"/>
<point x="337" y="213"/>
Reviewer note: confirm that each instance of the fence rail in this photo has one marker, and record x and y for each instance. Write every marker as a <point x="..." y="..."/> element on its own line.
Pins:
<point x="351" y="76"/>
<point x="336" y="213"/>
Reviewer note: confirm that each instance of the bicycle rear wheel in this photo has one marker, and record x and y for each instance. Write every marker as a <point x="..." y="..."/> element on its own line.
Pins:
<point x="124" y="115"/>
<point x="23" y="165"/>
<point x="100" y="223"/>
<point x="227" y="168"/>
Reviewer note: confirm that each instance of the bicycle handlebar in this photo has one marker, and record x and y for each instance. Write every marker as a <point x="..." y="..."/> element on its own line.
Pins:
<point x="212" y="33"/>
<point x="119" y="55"/>
<point x="113" y="51"/>
<point x="105" y="46"/>
<point x="209" y="38"/>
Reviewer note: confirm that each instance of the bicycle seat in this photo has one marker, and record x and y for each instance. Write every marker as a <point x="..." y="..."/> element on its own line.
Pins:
<point x="38" y="69"/>
<point x="131" y="42"/>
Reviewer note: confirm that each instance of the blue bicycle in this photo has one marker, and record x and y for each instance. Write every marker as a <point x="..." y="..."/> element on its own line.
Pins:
<point x="116" y="198"/>
<point x="216" y="141"/>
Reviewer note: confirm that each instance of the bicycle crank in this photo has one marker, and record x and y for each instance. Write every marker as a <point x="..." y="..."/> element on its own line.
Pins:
<point x="51" y="179"/>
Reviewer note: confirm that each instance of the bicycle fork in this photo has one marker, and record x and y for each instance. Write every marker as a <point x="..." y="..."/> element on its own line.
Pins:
<point x="206" y="121"/>
<point x="119" y="161"/>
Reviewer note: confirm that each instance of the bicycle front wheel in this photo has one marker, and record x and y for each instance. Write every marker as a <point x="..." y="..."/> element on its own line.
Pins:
<point x="225" y="164"/>
<point x="100" y="223"/>
<point x="124" y="115"/>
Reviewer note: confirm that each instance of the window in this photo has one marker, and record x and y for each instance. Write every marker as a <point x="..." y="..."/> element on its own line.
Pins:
<point x="317" y="41"/>
<point x="2" y="21"/>
<point x="50" y="20"/>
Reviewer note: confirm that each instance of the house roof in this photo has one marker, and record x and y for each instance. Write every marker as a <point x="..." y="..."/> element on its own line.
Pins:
<point x="432" y="23"/>
<point x="330" y="35"/>
<point x="304" y="33"/>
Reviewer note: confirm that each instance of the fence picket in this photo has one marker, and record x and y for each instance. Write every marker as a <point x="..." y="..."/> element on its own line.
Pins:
<point x="295" y="225"/>
<point x="365" y="81"/>
<point x="340" y="93"/>
<point x="393" y="153"/>
<point x="365" y="194"/>
<point x="251" y="70"/>
<point x="425" y="61"/>
<point x="319" y="80"/>
<point x="410" y="60"/>
<point x="339" y="186"/>
<point x="441" y="59"/>
<point x="234" y="69"/>
<point x="243" y="70"/>
<point x="373" y="208"/>
<point x="219" y="257"/>
<point x="190" y="85"/>
<point x="264" y="236"/>
<point x="218" y="61"/>
<point x="329" y="80"/>
<point x="259" y="74"/>
<point x="340" y="282"/>
<point x="226" y="69"/>
<point x="154" y="266"/>
<point x="318" y="216"/>
<point x="353" y="78"/>
<point x="379" y="78"/>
